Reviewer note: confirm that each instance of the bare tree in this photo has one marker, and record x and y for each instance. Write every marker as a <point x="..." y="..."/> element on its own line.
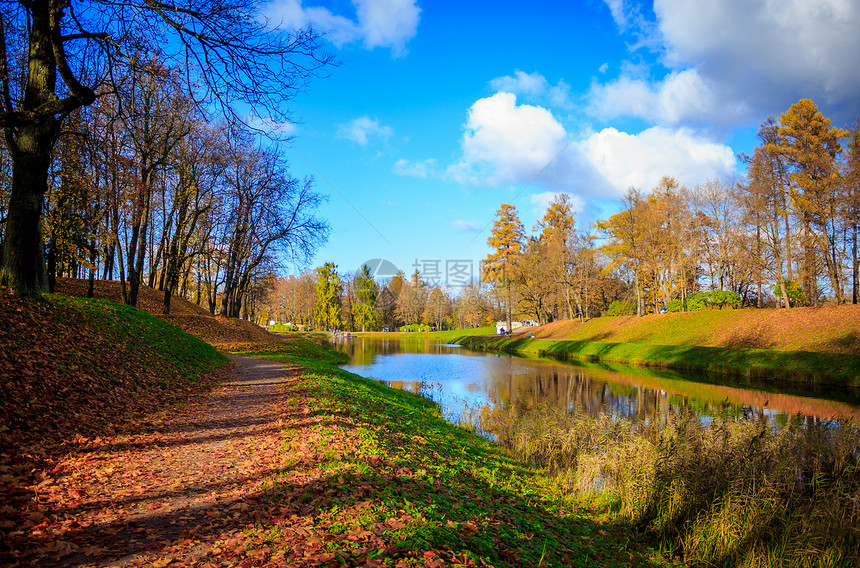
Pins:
<point x="56" y="54"/>
<point x="269" y="213"/>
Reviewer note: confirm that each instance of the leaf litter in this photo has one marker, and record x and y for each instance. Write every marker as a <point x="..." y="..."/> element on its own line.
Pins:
<point x="269" y="469"/>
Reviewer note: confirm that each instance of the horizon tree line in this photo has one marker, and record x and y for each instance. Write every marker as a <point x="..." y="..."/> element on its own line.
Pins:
<point x="783" y="235"/>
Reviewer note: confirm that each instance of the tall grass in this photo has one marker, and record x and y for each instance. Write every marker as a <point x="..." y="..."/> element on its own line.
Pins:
<point x="729" y="493"/>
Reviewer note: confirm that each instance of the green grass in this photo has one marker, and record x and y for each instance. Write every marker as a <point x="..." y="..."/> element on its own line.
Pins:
<point x="152" y="335"/>
<point x="389" y="463"/>
<point x="297" y="349"/>
<point x="448" y="336"/>
<point x="92" y="366"/>
<point x="797" y="366"/>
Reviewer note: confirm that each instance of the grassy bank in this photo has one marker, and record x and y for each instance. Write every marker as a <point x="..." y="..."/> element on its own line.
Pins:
<point x="72" y="365"/>
<point x="72" y="369"/>
<point x="840" y="369"/>
<point x="380" y="478"/>
<point x="448" y="336"/>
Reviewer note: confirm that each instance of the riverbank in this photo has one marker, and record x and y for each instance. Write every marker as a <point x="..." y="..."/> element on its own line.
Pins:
<point x="802" y="345"/>
<point x="293" y="464"/>
<point x="792" y="366"/>
<point x="381" y="464"/>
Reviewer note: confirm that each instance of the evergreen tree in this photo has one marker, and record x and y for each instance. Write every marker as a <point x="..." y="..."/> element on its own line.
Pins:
<point x="327" y="309"/>
<point x="364" y="310"/>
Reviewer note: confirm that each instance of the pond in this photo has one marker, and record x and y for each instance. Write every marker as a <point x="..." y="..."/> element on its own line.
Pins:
<point x="473" y="387"/>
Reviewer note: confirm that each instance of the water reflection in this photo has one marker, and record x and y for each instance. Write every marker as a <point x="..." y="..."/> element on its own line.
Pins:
<point x="472" y="387"/>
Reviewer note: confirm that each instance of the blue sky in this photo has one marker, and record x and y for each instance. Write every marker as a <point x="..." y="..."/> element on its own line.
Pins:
<point x="442" y="111"/>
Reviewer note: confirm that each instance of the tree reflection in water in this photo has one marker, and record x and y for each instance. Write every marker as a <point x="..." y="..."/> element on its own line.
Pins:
<point x="478" y="389"/>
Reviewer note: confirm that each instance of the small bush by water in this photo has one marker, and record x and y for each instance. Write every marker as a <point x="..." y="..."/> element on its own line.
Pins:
<point x="729" y="493"/>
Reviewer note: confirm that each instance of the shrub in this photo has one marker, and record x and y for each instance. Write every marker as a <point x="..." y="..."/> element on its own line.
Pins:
<point x="795" y="294"/>
<point x="621" y="308"/>
<point x="732" y="492"/>
<point x="415" y="327"/>
<point x="706" y="300"/>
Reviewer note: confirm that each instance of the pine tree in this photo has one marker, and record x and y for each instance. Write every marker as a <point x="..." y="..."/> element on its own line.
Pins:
<point x="364" y="309"/>
<point x="809" y="146"/>
<point x="327" y="309"/>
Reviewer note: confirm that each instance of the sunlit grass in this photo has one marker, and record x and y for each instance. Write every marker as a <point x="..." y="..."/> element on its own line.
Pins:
<point x="791" y="366"/>
<point x="385" y="461"/>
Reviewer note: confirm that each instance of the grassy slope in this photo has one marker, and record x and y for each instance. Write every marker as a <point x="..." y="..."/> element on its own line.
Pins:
<point x="71" y="367"/>
<point x="74" y="364"/>
<point x="90" y="366"/>
<point x="385" y="458"/>
<point x="829" y="329"/>
<point x="804" y="344"/>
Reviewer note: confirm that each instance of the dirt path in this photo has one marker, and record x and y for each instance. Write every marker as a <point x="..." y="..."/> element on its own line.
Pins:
<point x="184" y="493"/>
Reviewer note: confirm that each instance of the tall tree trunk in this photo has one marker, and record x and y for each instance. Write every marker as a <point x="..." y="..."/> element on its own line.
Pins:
<point x="30" y="145"/>
<point x="508" y="294"/>
<point x="23" y="247"/>
<point x="855" y="269"/>
<point x="639" y="309"/>
<point x="93" y="269"/>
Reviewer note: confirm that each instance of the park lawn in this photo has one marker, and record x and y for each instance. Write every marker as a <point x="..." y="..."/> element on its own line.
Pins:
<point x="377" y="474"/>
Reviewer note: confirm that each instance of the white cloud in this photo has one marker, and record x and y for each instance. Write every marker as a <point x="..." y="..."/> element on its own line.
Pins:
<point x="361" y="129"/>
<point x="733" y="60"/>
<point x="420" y="169"/>
<point x="505" y="143"/>
<point x="509" y="144"/>
<point x="466" y="226"/>
<point x="559" y="95"/>
<point x="640" y="160"/>
<point x="534" y="87"/>
<point x="603" y="68"/>
<point x="802" y="43"/>
<point x="619" y="12"/>
<point x="378" y="23"/>
<point x="681" y="97"/>
<point x="521" y="83"/>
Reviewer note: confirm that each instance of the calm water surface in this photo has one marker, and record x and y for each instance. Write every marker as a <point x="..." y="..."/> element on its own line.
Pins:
<point x="471" y="386"/>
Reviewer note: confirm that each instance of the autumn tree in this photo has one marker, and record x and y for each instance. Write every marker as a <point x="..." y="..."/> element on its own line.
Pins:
<point x="55" y="56"/>
<point x="810" y="146"/>
<point x="852" y="205"/>
<point x="152" y="114"/>
<point x="437" y="310"/>
<point x="292" y="298"/>
<point x="472" y="306"/>
<point x="269" y="213"/>
<point x="73" y="205"/>
<point x="585" y="269"/>
<point x="762" y="200"/>
<point x="720" y="234"/>
<point x="530" y="274"/>
<point x="624" y="235"/>
<point x="506" y="240"/>
<point x="190" y="196"/>
<point x="412" y="300"/>
<point x="557" y="238"/>
<point x="387" y="301"/>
